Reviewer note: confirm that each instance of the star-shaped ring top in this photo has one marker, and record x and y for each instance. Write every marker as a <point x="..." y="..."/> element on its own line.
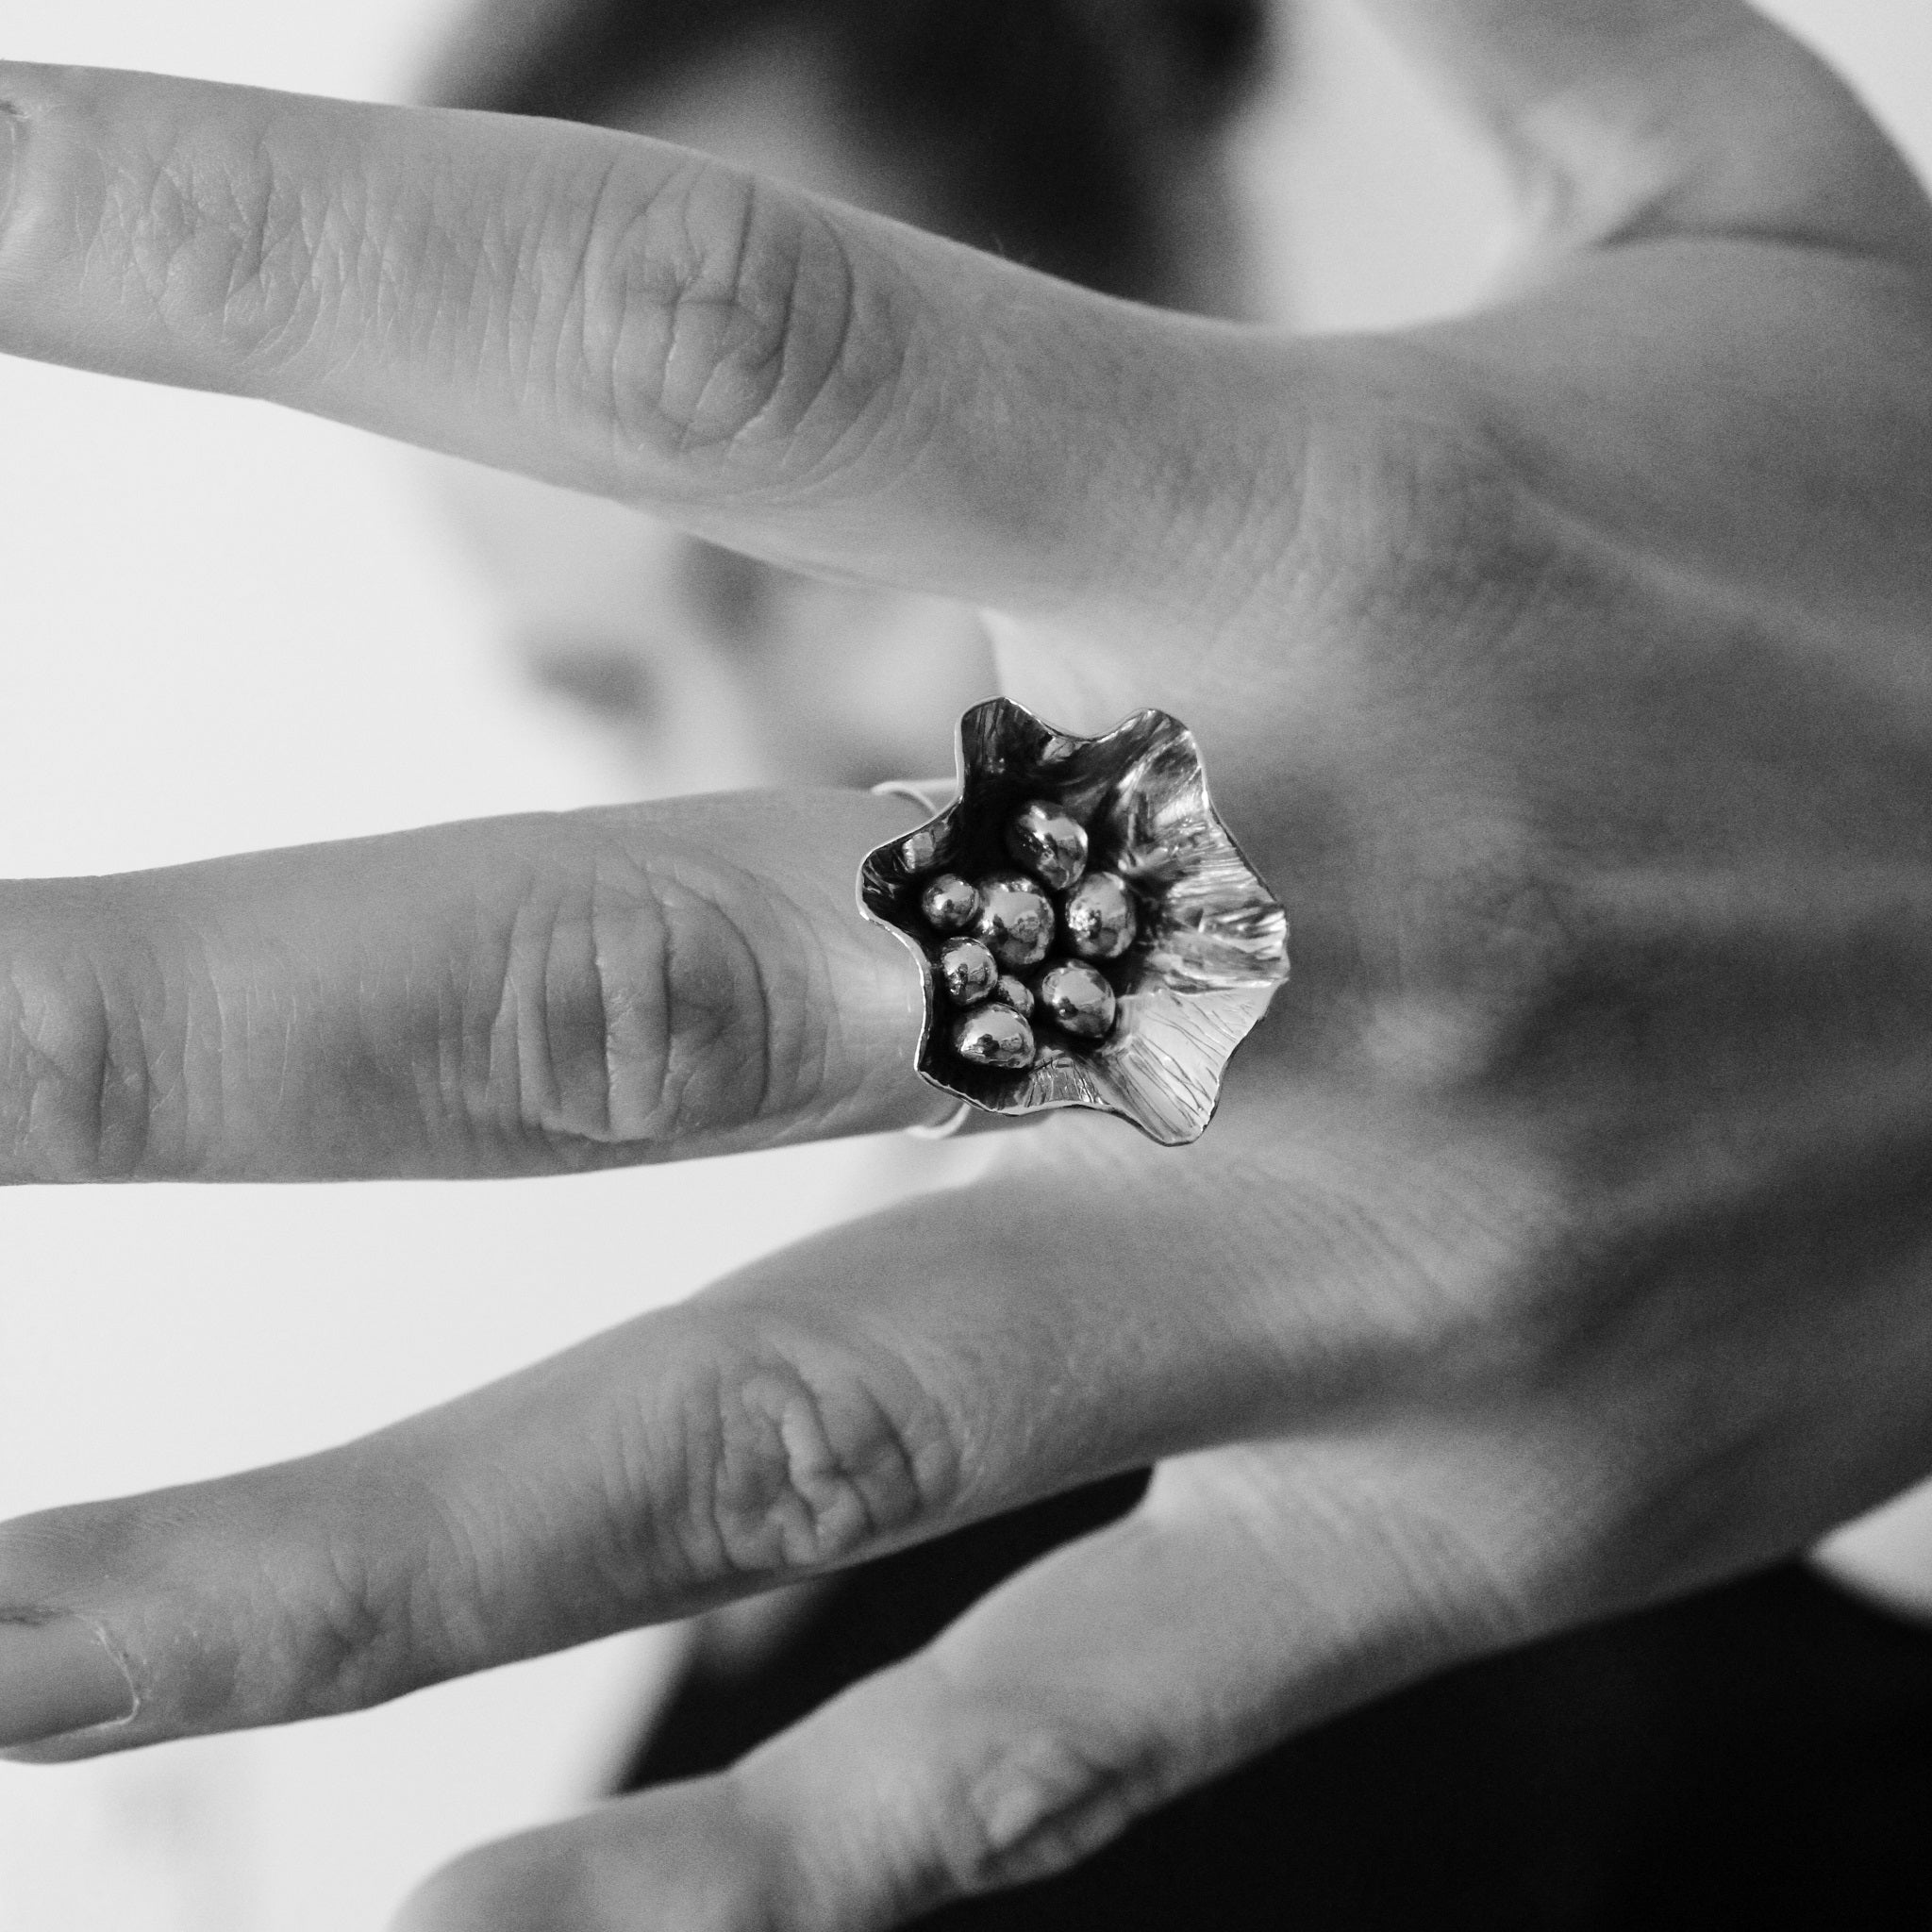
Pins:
<point x="1091" y="934"/>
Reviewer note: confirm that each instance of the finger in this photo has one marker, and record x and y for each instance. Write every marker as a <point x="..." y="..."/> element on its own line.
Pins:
<point x="882" y="1388"/>
<point x="1117" y="1674"/>
<point x="1633" y="119"/>
<point x="522" y="996"/>
<point x="792" y="377"/>
<point x="961" y="1354"/>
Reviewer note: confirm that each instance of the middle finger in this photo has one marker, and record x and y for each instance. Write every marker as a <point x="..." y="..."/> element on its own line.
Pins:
<point x="523" y="995"/>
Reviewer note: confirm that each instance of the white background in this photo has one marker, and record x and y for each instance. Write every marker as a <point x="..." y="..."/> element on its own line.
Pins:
<point x="224" y="627"/>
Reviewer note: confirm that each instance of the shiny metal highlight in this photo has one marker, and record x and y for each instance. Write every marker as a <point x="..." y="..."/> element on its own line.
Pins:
<point x="1209" y="944"/>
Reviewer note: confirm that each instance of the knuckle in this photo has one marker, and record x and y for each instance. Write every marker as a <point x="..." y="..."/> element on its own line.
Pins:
<point x="334" y="1635"/>
<point x="629" y="1007"/>
<point x="572" y="1046"/>
<point x="1037" y="1804"/>
<point x="77" y="1090"/>
<point x="725" y="997"/>
<point x="797" y="1456"/>
<point x="225" y="242"/>
<point x="287" y="1619"/>
<point x="363" y="1583"/>
<point x="724" y="315"/>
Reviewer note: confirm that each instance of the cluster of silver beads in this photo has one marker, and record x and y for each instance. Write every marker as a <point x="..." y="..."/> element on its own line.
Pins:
<point x="1002" y="963"/>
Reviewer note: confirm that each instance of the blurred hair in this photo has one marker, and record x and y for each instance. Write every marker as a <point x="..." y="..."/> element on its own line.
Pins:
<point x="1074" y="135"/>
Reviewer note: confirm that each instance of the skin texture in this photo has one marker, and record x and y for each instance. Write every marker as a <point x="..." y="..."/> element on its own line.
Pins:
<point x="710" y="668"/>
<point x="1561" y="1244"/>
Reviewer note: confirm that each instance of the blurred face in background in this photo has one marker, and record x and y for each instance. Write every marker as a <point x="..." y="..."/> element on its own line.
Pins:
<point x="1088" y="141"/>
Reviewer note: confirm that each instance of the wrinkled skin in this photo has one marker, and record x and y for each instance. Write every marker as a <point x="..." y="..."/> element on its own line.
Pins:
<point x="1561" y="1244"/>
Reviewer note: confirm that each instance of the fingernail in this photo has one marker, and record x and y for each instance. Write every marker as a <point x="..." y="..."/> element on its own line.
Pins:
<point x="56" y="1677"/>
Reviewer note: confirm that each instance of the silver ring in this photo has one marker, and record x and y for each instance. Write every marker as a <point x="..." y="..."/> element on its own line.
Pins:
<point x="931" y="795"/>
<point x="945" y="1129"/>
<point x="1089" y="932"/>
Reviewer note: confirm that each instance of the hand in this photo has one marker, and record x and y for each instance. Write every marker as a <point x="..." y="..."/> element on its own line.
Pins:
<point x="1563" y="1243"/>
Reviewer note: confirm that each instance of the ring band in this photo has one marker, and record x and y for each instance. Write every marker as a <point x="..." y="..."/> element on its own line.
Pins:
<point x="931" y="795"/>
<point x="945" y="1129"/>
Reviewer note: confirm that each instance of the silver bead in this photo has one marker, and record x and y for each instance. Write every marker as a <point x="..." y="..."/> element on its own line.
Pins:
<point x="1015" y="919"/>
<point x="1079" y="1001"/>
<point x="1049" y="843"/>
<point x="994" y="1036"/>
<point x="968" y="972"/>
<point x="950" y="904"/>
<point x="1016" y="994"/>
<point x="1100" y="917"/>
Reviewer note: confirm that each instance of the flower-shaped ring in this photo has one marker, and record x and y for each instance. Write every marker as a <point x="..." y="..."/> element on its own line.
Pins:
<point x="1089" y="932"/>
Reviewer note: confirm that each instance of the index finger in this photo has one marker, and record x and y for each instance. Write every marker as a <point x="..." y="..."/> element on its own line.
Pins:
<point x="792" y="377"/>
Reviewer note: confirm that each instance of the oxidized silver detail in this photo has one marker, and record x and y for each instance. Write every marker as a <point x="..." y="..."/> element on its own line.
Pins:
<point x="1209" y="944"/>
<point x="1016" y="992"/>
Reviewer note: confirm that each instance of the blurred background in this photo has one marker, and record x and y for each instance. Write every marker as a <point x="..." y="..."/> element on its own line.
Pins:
<point x="192" y="668"/>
